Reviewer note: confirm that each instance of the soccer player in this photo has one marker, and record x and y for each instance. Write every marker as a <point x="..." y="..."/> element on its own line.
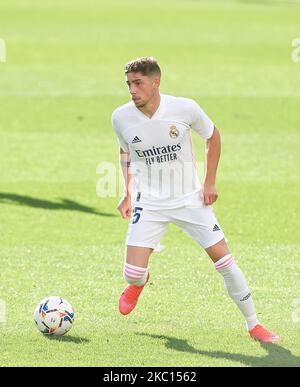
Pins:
<point x="162" y="187"/>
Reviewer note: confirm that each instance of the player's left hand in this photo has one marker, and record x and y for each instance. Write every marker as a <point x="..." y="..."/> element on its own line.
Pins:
<point x="210" y="194"/>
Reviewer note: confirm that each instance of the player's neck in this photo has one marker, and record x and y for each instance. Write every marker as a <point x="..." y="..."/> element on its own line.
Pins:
<point x="151" y="107"/>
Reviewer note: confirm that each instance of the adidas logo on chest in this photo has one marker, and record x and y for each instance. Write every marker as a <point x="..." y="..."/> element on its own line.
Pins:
<point x="136" y="139"/>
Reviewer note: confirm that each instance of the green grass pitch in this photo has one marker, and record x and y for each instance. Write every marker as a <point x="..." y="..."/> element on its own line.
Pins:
<point x="62" y="78"/>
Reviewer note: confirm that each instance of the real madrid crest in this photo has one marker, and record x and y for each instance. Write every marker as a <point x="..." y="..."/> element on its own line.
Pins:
<point x="174" y="132"/>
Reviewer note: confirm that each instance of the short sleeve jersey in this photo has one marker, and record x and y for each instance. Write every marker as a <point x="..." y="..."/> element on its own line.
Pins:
<point x="161" y="150"/>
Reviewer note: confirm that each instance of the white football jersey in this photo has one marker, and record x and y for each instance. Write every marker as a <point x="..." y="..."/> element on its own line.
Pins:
<point x="161" y="150"/>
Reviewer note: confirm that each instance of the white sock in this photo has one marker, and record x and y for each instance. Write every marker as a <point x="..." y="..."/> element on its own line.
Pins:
<point x="237" y="288"/>
<point x="135" y="275"/>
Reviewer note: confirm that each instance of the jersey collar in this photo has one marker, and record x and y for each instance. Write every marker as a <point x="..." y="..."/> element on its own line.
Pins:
<point x="157" y="113"/>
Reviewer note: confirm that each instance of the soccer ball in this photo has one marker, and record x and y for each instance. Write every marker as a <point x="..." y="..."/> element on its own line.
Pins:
<point x="54" y="316"/>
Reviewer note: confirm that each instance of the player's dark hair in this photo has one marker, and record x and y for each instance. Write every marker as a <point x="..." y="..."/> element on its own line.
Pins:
<point x="145" y="66"/>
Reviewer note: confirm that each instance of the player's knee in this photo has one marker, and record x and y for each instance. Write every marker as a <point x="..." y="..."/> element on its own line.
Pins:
<point x="135" y="275"/>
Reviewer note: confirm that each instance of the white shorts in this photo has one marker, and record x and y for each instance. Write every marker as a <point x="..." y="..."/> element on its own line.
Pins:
<point x="147" y="227"/>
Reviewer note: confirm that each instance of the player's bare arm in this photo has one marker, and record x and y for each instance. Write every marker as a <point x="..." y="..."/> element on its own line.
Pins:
<point x="124" y="205"/>
<point x="213" y="151"/>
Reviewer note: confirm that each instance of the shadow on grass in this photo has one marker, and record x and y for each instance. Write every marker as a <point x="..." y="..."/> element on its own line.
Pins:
<point x="64" y="204"/>
<point x="276" y="356"/>
<point x="68" y="339"/>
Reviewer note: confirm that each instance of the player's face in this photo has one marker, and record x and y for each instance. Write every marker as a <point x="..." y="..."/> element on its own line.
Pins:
<point x="142" y="87"/>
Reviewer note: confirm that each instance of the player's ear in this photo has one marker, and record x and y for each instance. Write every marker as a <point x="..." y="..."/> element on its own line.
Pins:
<point x="156" y="81"/>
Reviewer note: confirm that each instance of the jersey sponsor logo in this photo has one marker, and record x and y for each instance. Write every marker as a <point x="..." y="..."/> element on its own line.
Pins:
<point x="136" y="139"/>
<point x="158" y="150"/>
<point x="174" y="132"/>
<point x="159" y="154"/>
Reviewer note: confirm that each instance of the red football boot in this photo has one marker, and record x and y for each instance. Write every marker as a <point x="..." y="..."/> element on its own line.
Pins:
<point x="260" y="333"/>
<point x="130" y="296"/>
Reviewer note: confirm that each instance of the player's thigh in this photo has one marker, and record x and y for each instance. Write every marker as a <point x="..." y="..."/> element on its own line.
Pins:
<point x="145" y="232"/>
<point x="202" y="225"/>
<point x="138" y="256"/>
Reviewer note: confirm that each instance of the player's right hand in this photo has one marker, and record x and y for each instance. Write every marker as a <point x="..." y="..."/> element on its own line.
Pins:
<point x="125" y="207"/>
